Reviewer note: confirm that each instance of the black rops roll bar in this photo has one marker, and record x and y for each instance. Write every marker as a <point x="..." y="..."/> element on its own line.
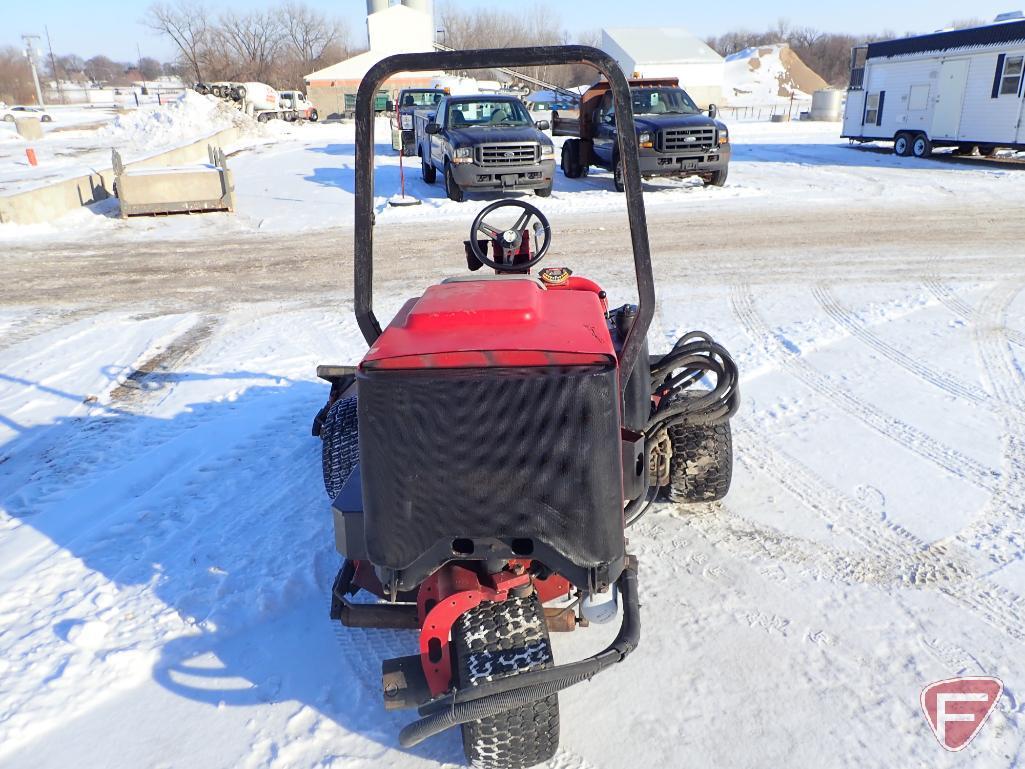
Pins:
<point x="488" y="59"/>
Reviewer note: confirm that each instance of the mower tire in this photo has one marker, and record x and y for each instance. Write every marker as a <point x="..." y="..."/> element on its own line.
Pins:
<point x="701" y="467"/>
<point x="340" y="444"/>
<point x="495" y="640"/>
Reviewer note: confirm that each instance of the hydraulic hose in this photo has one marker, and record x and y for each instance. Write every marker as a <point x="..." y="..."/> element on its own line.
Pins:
<point x="494" y="697"/>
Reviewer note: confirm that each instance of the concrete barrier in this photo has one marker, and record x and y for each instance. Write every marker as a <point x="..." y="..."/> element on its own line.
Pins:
<point x="175" y="189"/>
<point x="29" y="128"/>
<point x="46" y="203"/>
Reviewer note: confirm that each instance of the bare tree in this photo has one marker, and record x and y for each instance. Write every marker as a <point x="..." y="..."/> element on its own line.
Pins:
<point x="311" y="40"/>
<point x="100" y="69"/>
<point x="15" y="77"/>
<point x="186" y="22"/>
<point x="149" y="68"/>
<point x="254" y="39"/>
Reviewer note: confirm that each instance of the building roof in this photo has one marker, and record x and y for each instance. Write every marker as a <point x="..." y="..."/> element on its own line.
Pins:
<point x="1003" y="33"/>
<point x="665" y="45"/>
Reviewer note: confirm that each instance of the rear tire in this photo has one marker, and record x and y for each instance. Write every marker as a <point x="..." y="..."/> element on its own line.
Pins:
<point x="718" y="178"/>
<point x="571" y="166"/>
<point x="921" y="147"/>
<point x="340" y="444"/>
<point x="428" y="171"/>
<point x="988" y="150"/>
<point x="452" y="189"/>
<point x="617" y="176"/>
<point x="495" y="640"/>
<point x="701" y="467"/>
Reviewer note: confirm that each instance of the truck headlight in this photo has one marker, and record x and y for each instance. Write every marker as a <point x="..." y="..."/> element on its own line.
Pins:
<point x="724" y="136"/>
<point x="644" y="139"/>
<point x="407" y="122"/>
<point x="463" y="155"/>
<point x="547" y="151"/>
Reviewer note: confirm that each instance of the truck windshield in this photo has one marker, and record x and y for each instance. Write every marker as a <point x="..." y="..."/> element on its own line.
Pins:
<point x="478" y="112"/>
<point x="662" y="101"/>
<point x="421" y="98"/>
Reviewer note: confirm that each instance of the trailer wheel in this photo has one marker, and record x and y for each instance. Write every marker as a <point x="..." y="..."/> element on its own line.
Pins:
<point x="427" y="170"/>
<point x="572" y="168"/>
<point x="452" y="189"/>
<point x="496" y="640"/>
<point x="902" y="145"/>
<point x="718" y="178"/>
<point x="921" y="147"/>
<point x="701" y="467"/>
<point x="988" y="150"/>
<point x="340" y="444"/>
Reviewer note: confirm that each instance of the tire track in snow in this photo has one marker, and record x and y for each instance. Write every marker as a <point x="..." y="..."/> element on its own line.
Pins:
<point x="959" y="307"/>
<point x="953" y="461"/>
<point x="843" y="317"/>
<point x="899" y="552"/>
<point x="1004" y="514"/>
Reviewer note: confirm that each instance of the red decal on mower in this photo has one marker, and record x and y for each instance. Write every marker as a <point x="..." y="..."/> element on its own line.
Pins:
<point x="956" y="708"/>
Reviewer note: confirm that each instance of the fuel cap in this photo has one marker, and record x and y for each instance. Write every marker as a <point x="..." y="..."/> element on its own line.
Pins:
<point x="554" y="276"/>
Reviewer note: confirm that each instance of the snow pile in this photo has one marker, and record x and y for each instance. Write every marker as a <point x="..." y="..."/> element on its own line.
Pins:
<point x="768" y="75"/>
<point x="188" y="117"/>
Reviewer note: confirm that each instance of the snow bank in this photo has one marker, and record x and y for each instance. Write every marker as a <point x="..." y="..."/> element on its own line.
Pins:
<point x="188" y="117"/>
<point x="767" y="75"/>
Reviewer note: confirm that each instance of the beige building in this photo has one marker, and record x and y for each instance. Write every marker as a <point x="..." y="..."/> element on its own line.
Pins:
<point x="407" y="27"/>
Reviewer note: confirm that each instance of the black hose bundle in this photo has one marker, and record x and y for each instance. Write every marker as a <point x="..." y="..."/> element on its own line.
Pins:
<point x="693" y="357"/>
<point x="494" y="697"/>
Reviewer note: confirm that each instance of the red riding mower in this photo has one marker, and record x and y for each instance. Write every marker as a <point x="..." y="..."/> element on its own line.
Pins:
<point x="487" y="454"/>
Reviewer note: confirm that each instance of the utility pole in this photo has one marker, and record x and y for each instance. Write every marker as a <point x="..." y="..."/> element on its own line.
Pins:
<point x="53" y="67"/>
<point x="30" y="54"/>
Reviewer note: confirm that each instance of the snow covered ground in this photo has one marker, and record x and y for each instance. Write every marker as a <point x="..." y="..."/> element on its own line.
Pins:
<point x="166" y="550"/>
<point x="292" y="178"/>
<point x="85" y="148"/>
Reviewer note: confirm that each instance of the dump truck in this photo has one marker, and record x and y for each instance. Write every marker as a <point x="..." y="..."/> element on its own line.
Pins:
<point x="676" y="138"/>
<point x="484" y="142"/>
<point x="408" y="101"/>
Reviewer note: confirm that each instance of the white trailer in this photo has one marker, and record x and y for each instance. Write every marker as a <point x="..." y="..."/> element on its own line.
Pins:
<point x="958" y="88"/>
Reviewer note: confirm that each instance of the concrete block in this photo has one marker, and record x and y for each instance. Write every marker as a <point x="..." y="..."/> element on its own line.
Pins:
<point x="29" y="128"/>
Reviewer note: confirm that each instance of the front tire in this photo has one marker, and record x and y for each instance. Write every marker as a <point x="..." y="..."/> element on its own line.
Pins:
<point x="544" y="192"/>
<point x="570" y="163"/>
<point x="617" y="176"/>
<point x="427" y="170"/>
<point x="452" y="189"/>
<point x="988" y="150"/>
<point x="495" y="640"/>
<point x="314" y="116"/>
<point x="701" y="468"/>
<point x="921" y="147"/>
<point x="718" y="178"/>
<point x="340" y="444"/>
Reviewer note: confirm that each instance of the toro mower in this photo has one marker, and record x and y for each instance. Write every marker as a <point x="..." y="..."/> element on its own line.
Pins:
<point x="486" y="456"/>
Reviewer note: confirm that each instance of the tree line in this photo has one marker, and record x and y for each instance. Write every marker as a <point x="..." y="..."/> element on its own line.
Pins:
<point x="277" y="45"/>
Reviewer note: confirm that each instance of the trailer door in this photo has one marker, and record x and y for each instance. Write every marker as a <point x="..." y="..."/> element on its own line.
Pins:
<point x="946" y="118"/>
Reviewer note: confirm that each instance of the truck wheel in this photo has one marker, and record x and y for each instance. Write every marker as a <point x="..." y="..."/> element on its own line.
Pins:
<point x="428" y="171"/>
<point x="495" y="640"/>
<point x="701" y="467"/>
<point x="921" y="147"/>
<point x="544" y="192"/>
<point x="314" y="116"/>
<point x="340" y="444"/>
<point x="718" y="178"/>
<point x="988" y="150"/>
<point x="902" y="145"/>
<point x="617" y="176"/>
<point x="571" y="166"/>
<point x="452" y="189"/>
<point x="240" y="93"/>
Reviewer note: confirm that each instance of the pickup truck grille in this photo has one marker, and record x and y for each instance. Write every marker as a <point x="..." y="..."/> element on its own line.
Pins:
<point x="696" y="140"/>
<point x="507" y="154"/>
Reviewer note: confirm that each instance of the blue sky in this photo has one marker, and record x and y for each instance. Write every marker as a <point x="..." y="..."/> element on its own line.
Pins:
<point x="112" y="27"/>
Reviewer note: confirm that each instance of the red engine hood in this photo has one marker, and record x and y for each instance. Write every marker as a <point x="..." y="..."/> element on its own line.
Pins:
<point x="480" y="323"/>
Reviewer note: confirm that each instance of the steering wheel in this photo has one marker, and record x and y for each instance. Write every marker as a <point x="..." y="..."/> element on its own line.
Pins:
<point x="510" y="240"/>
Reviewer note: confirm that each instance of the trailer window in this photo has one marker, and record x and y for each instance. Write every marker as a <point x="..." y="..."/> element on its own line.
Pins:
<point x="1010" y="82"/>
<point x="872" y="109"/>
<point x="918" y="99"/>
